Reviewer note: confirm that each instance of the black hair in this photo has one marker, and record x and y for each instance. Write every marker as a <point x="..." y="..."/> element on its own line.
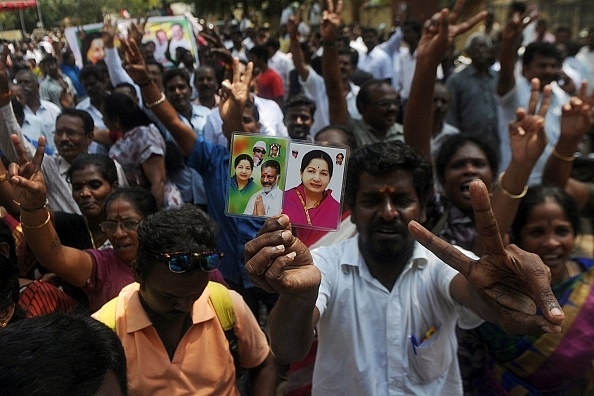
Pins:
<point x="242" y="157"/>
<point x="88" y="123"/>
<point x="7" y="237"/>
<point x="382" y="158"/>
<point x="351" y="53"/>
<point x="338" y="127"/>
<point x="121" y="107"/>
<point x="272" y="164"/>
<point x="300" y="100"/>
<point x="452" y="144"/>
<point x="90" y="70"/>
<point x="127" y="85"/>
<point x="102" y="163"/>
<point x="60" y="354"/>
<point x="317" y="154"/>
<point x="184" y="228"/>
<point x="143" y="201"/>
<point x="365" y="91"/>
<point x="176" y="72"/>
<point x="9" y="288"/>
<point x="273" y="42"/>
<point x="537" y="195"/>
<point x="260" y="52"/>
<point x="541" y="48"/>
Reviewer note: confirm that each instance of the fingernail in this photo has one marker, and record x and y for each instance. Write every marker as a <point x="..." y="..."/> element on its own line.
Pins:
<point x="546" y="329"/>
<point x="556" y="312"/>
<point x="280" y="247"/>
<point x="291" y="255"/>
<point x="286" y="235"/>
<point x="283" y="220"/>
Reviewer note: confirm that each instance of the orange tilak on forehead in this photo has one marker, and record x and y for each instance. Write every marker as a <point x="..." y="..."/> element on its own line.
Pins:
<point x="387" y="189"/>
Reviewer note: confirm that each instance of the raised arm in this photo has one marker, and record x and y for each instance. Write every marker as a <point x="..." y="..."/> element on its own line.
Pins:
<point x="236" y="95"/>
<point x="337" y="105"/>
<point x="73" y="265"/>
<point x="437" y="32"/>
<point x="117" y="73"/>
<point x="155" y="100"/>
<point x="511" y="282"/>
<point x="508" y="54"/>
<point x="577" y="118"/>
<point x="278" y="262"/>
<point x="527" y="141"/>
<point x="295" y="48"/>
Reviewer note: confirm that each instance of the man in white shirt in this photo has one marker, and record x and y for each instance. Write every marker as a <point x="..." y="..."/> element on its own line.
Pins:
<point x="268" y="201"/>
<point x="375" y="61"/>
<point x="34" y="105"/>
<point x="385" y="307"/>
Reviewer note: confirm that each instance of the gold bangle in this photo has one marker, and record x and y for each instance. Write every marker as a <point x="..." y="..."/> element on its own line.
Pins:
<point x="3" y="177"/>
<point x="156" y="102"/>
<point x="562" y="157"/>
<point x="510" y="195"/>
<point x="49" y="216"/>
<point x="35" y="209"/>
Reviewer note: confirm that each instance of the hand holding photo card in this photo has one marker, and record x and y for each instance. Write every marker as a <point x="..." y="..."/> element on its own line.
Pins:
<point x="315" y="185"/>
<point x="258" y="175"/>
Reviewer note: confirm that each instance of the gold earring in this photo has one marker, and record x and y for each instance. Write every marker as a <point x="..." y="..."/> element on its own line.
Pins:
<point x="3" y="324"/>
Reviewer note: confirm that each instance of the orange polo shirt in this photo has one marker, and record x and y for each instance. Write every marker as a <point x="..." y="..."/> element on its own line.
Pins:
<point x="202" y="363"/>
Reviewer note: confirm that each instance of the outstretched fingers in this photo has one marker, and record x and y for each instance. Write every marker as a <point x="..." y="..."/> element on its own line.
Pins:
<point x="486" y="224"/>
<point x="442" y="249"/>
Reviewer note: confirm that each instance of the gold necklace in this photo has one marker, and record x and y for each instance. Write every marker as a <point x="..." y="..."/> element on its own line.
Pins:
<point x="571" y="272"/>
<point x="305" y="208"/>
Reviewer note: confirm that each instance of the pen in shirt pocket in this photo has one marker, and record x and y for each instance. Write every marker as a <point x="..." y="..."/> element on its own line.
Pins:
<point x="428" y="334"/>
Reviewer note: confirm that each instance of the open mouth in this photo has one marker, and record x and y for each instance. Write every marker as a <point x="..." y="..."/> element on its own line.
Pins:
<point x="465" y="189"/>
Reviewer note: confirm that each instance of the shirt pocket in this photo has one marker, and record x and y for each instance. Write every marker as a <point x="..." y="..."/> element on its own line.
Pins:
<point x="431" y="358"/>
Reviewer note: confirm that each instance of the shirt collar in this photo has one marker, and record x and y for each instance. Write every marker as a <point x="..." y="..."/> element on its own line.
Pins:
<point x="137" y="318"/>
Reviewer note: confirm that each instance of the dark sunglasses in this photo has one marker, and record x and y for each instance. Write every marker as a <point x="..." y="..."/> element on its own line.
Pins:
<point x="257" y="150"/>
<point x="180" y="262"/>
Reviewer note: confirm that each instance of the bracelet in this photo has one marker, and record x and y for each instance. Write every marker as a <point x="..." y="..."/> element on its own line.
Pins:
<point x="145" y="84"/>
<point x="3" y="177"/>
<point x="32" y="210"/>
<point x="49" y="217"/>
<point x="562" y="157"/>
<point x="156" y="102"/>
<point x="510" y="195"/>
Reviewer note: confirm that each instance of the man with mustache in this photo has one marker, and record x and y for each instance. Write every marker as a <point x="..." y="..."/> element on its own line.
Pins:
<point x="268" y="201"/>
<point x="385" y="307"/>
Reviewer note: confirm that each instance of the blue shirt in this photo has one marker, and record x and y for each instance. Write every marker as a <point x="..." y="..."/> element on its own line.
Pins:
<point x="72" y="72"/>
<point x="212" y="162"/>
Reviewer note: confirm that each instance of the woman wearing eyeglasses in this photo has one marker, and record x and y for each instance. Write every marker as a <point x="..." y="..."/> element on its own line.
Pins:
<point x="101" y="274"/>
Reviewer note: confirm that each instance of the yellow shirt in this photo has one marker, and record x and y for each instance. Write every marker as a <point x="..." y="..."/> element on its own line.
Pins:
<point x="202" y="363"/>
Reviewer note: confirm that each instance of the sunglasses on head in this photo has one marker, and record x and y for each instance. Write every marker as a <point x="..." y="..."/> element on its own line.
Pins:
<point x="180" y="262"/>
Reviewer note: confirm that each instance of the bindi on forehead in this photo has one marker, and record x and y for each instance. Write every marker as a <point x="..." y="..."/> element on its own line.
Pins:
<point x="385" y="189"/>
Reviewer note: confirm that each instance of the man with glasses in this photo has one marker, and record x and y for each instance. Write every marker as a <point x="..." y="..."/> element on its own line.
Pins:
<point x="173" y="340"/>
<point x="72" y="137"/>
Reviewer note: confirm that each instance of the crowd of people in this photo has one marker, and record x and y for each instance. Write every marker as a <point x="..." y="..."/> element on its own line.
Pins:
<point x="464" y="259"/>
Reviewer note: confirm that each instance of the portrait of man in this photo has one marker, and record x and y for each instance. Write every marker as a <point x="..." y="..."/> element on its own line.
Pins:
<point x="339" y="158"/>
<point x="269" y="200"/>
<point x="259" y="149"/>
<point x="274" y="150"/>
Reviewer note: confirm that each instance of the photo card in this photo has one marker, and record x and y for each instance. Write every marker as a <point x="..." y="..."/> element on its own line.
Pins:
<point x="315" y="185"/>
<point x="258" y="166"/>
